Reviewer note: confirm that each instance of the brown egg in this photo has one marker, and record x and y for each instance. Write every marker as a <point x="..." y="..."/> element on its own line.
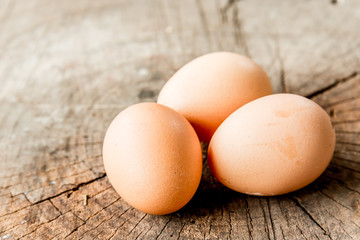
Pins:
<point x="272" y="145"/>
<point x="208" y="89"/>
<point x="153" y="158"/>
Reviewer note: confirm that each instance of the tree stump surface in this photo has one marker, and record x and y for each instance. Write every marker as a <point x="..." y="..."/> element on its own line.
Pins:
<point x="68" y="67"/>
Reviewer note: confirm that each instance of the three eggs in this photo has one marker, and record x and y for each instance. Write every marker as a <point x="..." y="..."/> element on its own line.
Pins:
<point x="259" y="143"/>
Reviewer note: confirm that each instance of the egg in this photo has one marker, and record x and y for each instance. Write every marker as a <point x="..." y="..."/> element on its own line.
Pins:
<point x="152" y="157"/>
<point x="209" y="88"/>
<point x="273" y="145"/>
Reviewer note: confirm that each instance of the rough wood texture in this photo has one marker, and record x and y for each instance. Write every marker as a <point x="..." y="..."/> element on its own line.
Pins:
<point x="68" y="67"/>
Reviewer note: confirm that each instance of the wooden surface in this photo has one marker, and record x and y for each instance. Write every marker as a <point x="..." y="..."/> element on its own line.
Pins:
<point x="68" y="67"/>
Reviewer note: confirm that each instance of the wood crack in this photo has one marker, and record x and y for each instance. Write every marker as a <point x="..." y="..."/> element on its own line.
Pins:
<point x="55" y="206"/>
<point x="157" y="237"/>
<point x="297" y="202"/>
<point x="147" y="231"/>
<point x="282" y="78"/>
<point x="282" y="233"/>
<point x="104" y="207"/>
<point x="112" y="235"/>
<point x="72" y="189"/>
<point x="33" y="174"/>
<point x="346" y="132"/>
<point x="249" y="219"/>
<point x="340" y="222"/>
<point x="104" y="190"/>
<point x="347" y="100"/>
<point x="226" y="8"/>
<point x="346" y="122"/>
<point x="182" y="228"/>
<point x="266" y="227"/>
<point x="348" y="143"/>
<point x="204" y="22"/>
<point x="340" y="159"/>
<point x="55" y="236"/>
<point x="271" y="219"/>
<point x="230" y="224"/>
<point x="210" y="226"/>
<point x="137" y="237"/>
<point x="238" y="33"/>
<point x="301" y="232"/>
<point x="38" y="226"/>
<point x="331" y="86"/>
<point x="350" y="169"/>
<point x="355" y="109"/>
<point x="77" y="228"/>
<point x="334" y="200"/>
<point x="342" y="184"/>
<point x="136" y="224"/>
<point x="17" y="210"/>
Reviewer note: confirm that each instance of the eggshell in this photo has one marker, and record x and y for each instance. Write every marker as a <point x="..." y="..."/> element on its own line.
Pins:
<point x="272" y="145"/>
<point x="208" y="89"/>
<point x="153" y="158"/>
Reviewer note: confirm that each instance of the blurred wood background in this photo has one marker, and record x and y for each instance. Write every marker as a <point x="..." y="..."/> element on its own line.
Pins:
<point x="68" y="67"/>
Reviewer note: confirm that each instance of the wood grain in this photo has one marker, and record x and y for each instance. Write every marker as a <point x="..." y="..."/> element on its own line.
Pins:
<point x="68" y="67"/>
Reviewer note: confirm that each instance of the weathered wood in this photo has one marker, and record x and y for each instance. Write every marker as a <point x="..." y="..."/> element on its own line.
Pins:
<point x="68" y="67"/>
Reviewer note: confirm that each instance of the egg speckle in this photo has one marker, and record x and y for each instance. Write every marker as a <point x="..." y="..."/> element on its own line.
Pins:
<point x="273" y="145"/>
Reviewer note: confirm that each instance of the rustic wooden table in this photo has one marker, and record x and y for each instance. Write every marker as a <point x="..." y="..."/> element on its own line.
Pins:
<point x="68" y="67"/>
